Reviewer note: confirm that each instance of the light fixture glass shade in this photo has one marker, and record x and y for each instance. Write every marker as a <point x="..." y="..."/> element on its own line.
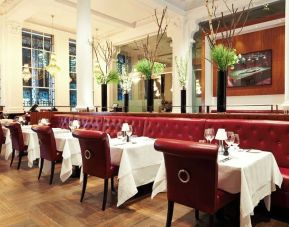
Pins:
<point x="221" y="134"/>
<point x="125" y="127"/>
<point x="26" y="73"/>
<point x="52" y="68"/>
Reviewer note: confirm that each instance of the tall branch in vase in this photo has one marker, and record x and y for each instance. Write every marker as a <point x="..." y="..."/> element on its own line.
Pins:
<point x="103" y="68"/>
<point x="148" y="65"/>
<point x="223" y="54"/>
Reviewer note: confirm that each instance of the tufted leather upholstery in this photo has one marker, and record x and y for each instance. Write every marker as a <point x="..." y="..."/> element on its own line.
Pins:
<point x="96" y="160"/>
<point x="47" y="148"/>
<point x="90" y="122"/>
<point x="61" y="120"/>
<point x="112" y="125"/>
<point x="269" y="135"/>
<point x="175" y="128"/>
<point x="17" y="142"/>
<point x="200" y="161"/>
<point x="265" y="135"/>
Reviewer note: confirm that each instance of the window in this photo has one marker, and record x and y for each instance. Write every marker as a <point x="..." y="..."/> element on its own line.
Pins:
<point x="36" y="50"/>
<point x="72" y="73"/>
<point x="121" y="61"/>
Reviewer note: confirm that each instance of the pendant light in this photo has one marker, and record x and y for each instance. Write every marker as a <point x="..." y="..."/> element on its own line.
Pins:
<point x="52" y="68"/>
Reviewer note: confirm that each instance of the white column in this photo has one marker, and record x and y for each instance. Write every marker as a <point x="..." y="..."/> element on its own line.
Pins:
<point x="84" y="56"/>
<point x="286" y="95"/>
<point x="11" y="67"/>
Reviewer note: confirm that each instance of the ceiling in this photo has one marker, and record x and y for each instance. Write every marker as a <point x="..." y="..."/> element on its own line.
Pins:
<point x="186" y="4"/>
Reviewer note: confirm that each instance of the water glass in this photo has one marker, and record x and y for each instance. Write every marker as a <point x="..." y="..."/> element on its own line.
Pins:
<point x="129" y="131"/>
<point x="119" y="135"/>
<point x="209" y="134"/>
<point x="230" y="138"/>
<point x="236" y="141"/>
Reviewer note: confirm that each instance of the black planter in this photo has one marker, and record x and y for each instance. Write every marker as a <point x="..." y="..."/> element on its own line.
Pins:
<point x="104" y="97"/>
<point x="125" y="96"/>
<point x="183" y="100"/>
<point x="150" y="95"/>
<point x="221" y="91"/>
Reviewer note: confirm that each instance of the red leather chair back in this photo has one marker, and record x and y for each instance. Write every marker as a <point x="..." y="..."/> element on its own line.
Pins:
<point x="16" y="136"/>
<point x="2" y="137"/>
<point x="112" y="125"/>
<point x="175" y="128"/>
<point x="47" y="142"/>
<point x="95" y="152"/>
<point x="200" y="162"/>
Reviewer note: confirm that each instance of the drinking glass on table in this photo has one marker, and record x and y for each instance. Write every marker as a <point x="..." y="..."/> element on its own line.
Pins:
<point x="236" y="141"/>
<point x="129" y="131"/>
<point x="230" y="138"/>
<point x="209" y="134"/>
<point x="119" y="135"/>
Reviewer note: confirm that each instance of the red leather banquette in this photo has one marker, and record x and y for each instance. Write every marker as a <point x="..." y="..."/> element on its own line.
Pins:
<point x="267" y="135"/>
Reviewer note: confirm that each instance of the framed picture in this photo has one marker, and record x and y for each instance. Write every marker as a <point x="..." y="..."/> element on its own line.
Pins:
<point x="253" y="69"/>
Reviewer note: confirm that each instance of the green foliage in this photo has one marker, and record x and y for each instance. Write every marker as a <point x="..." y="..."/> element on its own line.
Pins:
<point x="144" y="66"/>
<point x="224" y="56"/>
<point x="111" y="77"/>
<point x="182" y="70"/>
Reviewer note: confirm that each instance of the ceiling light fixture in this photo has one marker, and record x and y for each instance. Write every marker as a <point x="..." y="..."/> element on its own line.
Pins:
<point x="52" y="68"/>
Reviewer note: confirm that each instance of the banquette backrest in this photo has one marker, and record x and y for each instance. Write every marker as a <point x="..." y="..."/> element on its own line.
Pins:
<point x="175" y="128"/>
<point x="61" y="120"/>
<point x="113" y="124"/>
<point x="265" y="135"/>
<point x="90" y="122"/>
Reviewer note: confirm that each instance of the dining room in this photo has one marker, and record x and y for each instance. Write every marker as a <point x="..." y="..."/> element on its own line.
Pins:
<point x="144" y="113"/>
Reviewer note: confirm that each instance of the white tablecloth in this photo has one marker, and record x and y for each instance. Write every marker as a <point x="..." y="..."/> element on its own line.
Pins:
<point x="254" y="174"/>
<point x="138" y="165"/>
<point x="6" y="150"/>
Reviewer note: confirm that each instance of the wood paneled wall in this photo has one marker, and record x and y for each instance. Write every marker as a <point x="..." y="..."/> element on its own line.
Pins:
<point x="273" y="38"/>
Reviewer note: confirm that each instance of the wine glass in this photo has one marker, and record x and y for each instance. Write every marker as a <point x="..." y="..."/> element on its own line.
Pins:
<point x="230" y="138"/>
<point x="129" y="131"/>
<point x="209" y="134"/>
<point x="71" y="126"/>
<point x="119" y="135"/>
<point x="236" y="141"/>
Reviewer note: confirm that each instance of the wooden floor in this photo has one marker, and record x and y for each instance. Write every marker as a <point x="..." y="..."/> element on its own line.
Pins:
<point x="25" y="201"/>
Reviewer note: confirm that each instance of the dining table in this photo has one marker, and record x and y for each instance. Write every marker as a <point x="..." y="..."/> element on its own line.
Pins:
<point x="252" y="173"/>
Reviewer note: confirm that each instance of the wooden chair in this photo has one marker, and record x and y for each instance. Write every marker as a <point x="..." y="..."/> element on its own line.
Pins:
<point x="48" y="149"/>
<point x="96" y="159"/>
<point x="17" y="142"/>
<point x="192" y="177"/>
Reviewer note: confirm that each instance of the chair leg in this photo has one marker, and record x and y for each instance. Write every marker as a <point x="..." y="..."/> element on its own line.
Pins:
<point x="197" y="214"/>
<point x="112" y="185"/>
<point x="84" y="182"/>
<point x="41" y="167"/>
<point x="212" y="218"/>
<point x="170" y="213"/>
<point x="52" y="172"/>
<point x="20" y="158"/>
<point x="13" y="154"/>
<point x="105" y="193"/>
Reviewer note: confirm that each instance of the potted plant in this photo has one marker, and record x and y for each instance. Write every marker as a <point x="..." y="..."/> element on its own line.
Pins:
<point x="223" y="54"/>
<point x="125" y="84"/>
<point x="104" y="73"/>
<point x="148" y="65"/>
<point x="182" y="70"/>
<point x="149" y="68"/>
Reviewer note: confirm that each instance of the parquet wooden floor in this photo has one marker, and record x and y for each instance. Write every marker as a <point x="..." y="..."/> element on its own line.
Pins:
<point x="25" y="201"/>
